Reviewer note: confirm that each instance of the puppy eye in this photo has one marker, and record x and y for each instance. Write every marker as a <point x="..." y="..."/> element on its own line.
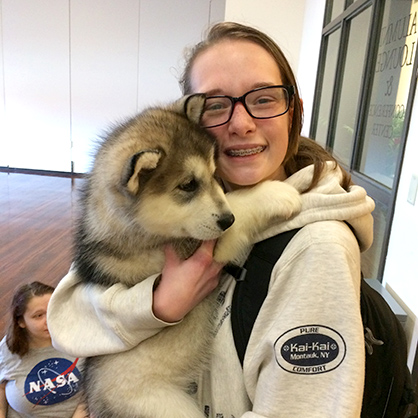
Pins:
<point x="189" y="186"/>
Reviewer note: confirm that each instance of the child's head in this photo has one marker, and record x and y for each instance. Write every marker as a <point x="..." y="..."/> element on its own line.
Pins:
<point x="232" y="31"/>
<point x="28" y="316"/>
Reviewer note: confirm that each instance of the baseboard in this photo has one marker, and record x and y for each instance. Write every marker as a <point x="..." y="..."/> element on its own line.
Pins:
<point x="15" y="170"/>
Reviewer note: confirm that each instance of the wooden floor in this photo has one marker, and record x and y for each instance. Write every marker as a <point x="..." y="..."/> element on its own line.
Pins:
<point x="37" y="215"/>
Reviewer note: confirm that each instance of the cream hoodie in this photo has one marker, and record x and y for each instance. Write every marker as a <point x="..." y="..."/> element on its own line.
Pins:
<point x="305" y="356"/>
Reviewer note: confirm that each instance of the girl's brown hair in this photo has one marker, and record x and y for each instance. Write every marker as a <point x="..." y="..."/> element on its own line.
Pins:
<point x="17" y="338"/>
<point x="301" y="152"/>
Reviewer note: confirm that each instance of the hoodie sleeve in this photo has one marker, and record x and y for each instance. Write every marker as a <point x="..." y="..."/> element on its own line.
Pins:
<point x="306" y="355"/>
<point x="88" y="320"/>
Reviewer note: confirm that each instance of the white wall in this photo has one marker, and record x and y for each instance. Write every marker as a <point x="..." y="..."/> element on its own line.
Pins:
<point x="282" y="19"/>
<point x="309" y="57"/>
<point x="35" y="51"/>
<point x="3" y="149"/>
<point x="401" y="269"/>
<point x="127" y="58"/>
<point x="162" y="45"/>
<point x="104" y="70"/>
<point x="70" y="69"/>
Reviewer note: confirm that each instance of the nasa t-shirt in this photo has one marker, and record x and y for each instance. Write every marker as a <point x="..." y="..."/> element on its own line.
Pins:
<point x="44" y="383"/>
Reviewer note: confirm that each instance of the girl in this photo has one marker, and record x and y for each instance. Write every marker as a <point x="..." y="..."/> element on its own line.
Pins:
<point x="305" y="356"/>
<point x="37" y="380"/>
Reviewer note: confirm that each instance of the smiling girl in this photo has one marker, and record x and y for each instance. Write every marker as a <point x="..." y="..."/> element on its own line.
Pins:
<point x="305" y="355"/>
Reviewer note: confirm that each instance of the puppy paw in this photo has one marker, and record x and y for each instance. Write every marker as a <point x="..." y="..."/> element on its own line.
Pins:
<point x="284" y="200"/>
<point x="266" y="201"/>
<point x="232" y="246"/>
<point x="255" y="209"/>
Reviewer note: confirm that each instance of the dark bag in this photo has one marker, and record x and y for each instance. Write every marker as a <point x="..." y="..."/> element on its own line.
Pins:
<point x="388" y="389"/>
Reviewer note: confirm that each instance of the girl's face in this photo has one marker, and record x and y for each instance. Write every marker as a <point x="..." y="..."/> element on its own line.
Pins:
<point x="34" y="320"/>
<point x="250" y="150"/>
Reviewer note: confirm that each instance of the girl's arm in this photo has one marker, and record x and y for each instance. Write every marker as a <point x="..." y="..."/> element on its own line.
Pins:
<point x="305" y="356"/>
<point x="87" y="320"/>
<point x="3" y="401"/>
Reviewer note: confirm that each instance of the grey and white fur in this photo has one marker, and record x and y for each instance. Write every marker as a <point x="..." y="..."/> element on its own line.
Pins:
<point x="152" y="183"/>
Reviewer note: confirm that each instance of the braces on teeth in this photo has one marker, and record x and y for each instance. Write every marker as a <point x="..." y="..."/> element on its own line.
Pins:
<point x="245" y="152"/>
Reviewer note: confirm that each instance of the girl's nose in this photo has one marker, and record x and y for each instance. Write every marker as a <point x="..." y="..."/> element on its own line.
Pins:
<point x="241" y="122"/>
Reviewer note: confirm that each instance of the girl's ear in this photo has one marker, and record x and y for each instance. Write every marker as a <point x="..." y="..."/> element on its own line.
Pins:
<point x="21" y="323"/>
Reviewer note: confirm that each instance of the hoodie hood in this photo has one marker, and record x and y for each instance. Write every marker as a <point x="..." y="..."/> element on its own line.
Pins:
<point x="328" y="201"/>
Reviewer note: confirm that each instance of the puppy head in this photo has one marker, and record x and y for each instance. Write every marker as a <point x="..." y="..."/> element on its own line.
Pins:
<point x="157" y="172"/>
<point x="183" y="199"/>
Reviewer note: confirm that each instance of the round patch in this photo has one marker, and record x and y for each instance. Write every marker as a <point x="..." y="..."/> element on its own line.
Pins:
<point x="52" y="381"/>
<point x="310" y="349"/>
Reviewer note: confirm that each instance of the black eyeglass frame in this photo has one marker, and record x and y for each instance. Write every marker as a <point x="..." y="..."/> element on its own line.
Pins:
<point x="234" y="100"/>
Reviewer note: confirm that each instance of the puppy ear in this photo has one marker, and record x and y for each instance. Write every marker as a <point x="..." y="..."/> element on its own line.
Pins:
<point x="140" y="164"/>
<point x="192" y="106"/>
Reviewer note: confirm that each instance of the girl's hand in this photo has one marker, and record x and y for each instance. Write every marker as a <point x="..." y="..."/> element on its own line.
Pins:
<point x="185" y="283"/>
<point x="81" y="411"/>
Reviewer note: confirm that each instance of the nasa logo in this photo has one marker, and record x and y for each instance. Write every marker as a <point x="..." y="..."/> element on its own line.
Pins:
<point x="310" y="349"/>
<point x="51" y="381"/>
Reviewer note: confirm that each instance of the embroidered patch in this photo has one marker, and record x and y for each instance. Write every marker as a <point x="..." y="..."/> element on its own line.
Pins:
<point x="310" y="349"/>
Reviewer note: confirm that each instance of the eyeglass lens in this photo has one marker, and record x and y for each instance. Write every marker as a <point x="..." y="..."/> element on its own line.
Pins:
<point x="261" y="103"/>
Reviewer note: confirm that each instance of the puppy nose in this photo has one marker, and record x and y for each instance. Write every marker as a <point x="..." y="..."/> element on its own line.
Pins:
<point x="226" y="221"/>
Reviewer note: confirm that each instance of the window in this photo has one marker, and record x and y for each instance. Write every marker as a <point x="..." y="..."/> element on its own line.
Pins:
<point x="343" y="138"/>
<point x="389" y="92"/>
<point x="361" y="107"/>
<point x="335" y="8"/>
<point x="332" y="45"/>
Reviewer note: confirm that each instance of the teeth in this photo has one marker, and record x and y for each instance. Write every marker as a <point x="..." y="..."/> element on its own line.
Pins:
<point x="245" y="152"/>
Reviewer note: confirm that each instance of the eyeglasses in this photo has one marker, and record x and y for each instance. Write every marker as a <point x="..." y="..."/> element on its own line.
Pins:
<point x="261" y="103"/>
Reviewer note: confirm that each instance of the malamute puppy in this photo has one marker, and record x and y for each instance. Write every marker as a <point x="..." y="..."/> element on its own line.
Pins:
<point x="152" y="183"/>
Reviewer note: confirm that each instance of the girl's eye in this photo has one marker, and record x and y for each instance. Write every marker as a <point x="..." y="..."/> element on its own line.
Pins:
<point x="264" y="100"/>
<point x="217" y="104"/>
<point x="215" y="107"/>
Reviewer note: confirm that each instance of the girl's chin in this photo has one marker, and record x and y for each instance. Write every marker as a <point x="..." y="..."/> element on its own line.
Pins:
<point x="238" y="177"/>
<point x="239" y="182"/>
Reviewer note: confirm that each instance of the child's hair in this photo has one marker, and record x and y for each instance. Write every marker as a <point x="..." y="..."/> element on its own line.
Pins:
<point x="17" y="339"/>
